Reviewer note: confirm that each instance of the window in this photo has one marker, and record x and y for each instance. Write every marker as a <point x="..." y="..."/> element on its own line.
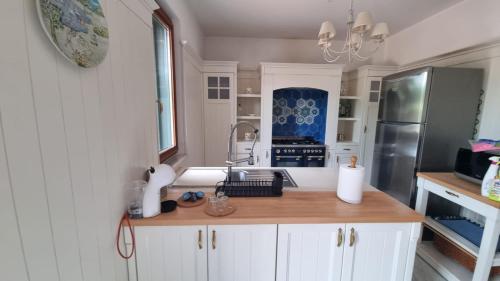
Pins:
<point x="165" y="84"/>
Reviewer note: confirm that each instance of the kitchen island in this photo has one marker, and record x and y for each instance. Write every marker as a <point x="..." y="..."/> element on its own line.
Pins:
<point x="307" y="235"/>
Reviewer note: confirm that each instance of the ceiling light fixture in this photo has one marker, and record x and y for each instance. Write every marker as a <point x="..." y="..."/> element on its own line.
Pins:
<point x="359" y="32"/>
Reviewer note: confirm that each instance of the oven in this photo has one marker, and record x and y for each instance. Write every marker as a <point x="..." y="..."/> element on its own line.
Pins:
<point x="298" y="156"/>
<point x="314" y="161"/>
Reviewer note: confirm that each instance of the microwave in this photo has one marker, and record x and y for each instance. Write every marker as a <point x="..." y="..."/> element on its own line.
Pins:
<point x="472" y="166"/>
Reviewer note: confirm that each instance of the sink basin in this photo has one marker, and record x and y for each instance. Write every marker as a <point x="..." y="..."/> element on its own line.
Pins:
<point x="262" y="174"/>
<point x="239" y="175"/>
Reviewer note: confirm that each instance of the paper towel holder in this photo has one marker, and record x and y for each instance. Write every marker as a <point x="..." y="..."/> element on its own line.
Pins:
<point x="354" y="159"/>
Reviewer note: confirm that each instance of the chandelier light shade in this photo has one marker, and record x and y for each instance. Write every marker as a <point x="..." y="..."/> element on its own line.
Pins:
<point x="363" y="23"/>
<point x="327" y="31"/>
<point x="359" y="31"/>
<point x="380" y="31"/>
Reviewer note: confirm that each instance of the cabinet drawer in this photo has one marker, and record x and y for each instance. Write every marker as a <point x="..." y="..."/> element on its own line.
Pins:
<point x="347" y="148"/>
<point x="246" y="147"/>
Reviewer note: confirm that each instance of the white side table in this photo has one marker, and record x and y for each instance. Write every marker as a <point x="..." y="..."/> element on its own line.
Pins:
<point x="467" y="195"/>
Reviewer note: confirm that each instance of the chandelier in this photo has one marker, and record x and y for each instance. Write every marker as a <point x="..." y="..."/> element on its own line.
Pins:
<point x="359" y="33"/>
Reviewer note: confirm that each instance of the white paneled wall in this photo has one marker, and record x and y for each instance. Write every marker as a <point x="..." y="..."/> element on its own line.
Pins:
<point x="192" y="114"/>
<point x="70" y="141"/>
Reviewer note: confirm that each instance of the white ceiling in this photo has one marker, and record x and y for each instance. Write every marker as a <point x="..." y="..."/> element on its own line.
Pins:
<point x="300" y="19"/>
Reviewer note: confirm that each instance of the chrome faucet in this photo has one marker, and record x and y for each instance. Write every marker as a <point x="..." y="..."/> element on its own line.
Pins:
<point x="250" y="159"/>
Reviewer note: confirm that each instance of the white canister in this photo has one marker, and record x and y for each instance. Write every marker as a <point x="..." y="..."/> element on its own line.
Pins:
<point x="350" y="184"/>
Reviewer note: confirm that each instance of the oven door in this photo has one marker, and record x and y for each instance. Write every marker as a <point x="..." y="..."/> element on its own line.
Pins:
<point x="314" y="161"/>
<point x="287" y="161"/>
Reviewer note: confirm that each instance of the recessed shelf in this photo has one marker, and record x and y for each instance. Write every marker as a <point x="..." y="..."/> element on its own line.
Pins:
<point x="348" y="119"/>
<point x="246" y="117"/>
<point x="457" y="239"/>
<point x="447" y="267"/>
<point x="249" y="96"/>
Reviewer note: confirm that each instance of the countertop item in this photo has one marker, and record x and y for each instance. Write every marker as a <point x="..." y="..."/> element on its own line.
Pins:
<point x="459" y="185"/>
<point x="293" y="208"/>
<point x="350" y="186"/>
<point x="190" y="204"/>
<point x="205" y="178"/>
<point x="159" y="176"/>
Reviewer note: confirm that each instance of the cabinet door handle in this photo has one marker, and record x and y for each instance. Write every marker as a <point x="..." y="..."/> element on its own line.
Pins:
<point x="352" y="239"/>
<point x="452" y="194"/>
<point x="213" y="240"/>
<point x="329" y="155"/>
<point x="200" y="239"/>
<point x="347" y="149"/>
<point x="267" y="154"/>
<point x="340" y="237"/>
<point x="338" y="159"/>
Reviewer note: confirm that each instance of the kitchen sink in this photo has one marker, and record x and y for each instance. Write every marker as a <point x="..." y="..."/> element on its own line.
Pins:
<point x="262" y="174"/>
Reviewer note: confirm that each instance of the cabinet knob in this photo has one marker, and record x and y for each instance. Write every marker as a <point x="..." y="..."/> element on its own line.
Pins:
<point x="213" y="240"/>
<point x="340" y="237"/>
<point x="352" y="239"/>
<point x="200" y="239"/>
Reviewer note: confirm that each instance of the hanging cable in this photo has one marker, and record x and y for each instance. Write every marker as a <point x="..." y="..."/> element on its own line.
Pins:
<point x="125" y="218"/>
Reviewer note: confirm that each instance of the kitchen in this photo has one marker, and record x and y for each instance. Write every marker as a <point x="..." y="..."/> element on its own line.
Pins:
<point x="166" y="85"/>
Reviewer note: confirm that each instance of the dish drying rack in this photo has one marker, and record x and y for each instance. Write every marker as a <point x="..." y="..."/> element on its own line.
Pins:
<point x="252" y="188"/>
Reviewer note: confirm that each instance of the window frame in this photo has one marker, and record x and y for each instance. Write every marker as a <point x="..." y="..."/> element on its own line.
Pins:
<point x="165" y="20"/>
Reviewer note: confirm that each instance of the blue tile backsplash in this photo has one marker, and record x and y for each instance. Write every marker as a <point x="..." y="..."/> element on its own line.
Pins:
<point x="300" y="112"/>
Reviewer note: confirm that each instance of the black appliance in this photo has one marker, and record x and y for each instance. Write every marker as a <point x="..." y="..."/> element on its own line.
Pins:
<point x="297" y="152"/>
<point x="472" y="166"/>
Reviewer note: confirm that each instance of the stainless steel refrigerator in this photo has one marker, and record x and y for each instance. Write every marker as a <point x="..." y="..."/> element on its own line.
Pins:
<point x="425" y="116"/>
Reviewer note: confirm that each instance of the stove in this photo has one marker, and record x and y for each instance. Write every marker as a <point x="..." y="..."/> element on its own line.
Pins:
<point x="297" y="152"/>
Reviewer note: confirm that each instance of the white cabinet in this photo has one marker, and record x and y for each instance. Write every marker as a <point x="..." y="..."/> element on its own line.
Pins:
<point x="219" y="109"/>
<point x="310" y="252"/>
<point x="242" y="252"/>
<point x="376" y="252"/>
<point x="201" y="253"/>
<point x="364" y="84"/>
<point x="277" y="76"/>
<point x="370" y="127"/>
<point x="346" y="252"/>
<point x="243" y="149"/>
<point x="265" y="158"/>
<point x="270" y="252"/>
<point x="171" y="253"/>
<point x="338" y="157"/>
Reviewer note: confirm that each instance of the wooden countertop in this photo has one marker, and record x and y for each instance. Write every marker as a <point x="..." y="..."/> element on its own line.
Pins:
<point x="293" y="208"/>
<point x="459" y="185"/>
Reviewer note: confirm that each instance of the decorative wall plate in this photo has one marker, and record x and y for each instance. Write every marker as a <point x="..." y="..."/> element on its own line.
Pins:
<point x="77" y="28"/>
